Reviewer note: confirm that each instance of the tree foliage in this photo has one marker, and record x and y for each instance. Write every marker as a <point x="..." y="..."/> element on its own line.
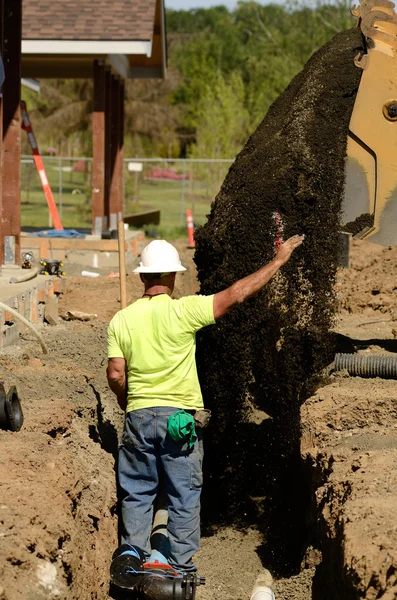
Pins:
<point x="225" y="69"/>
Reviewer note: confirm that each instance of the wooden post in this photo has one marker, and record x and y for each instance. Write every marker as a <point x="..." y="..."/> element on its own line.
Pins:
<point x="120" y="154"/>
<point x="98" y="148"/>
<point x="1" y="138"/>
<point x="114" y="197"/>
<point x="108" y="144"/>
<point x="11" y="174"/>
<point x="122" y="272"/>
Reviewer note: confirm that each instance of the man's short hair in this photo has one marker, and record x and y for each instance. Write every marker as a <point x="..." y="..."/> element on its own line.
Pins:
<point x="154" y="276"/>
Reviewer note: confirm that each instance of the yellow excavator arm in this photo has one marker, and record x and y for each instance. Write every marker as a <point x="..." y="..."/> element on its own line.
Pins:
<point x="369" y="208"/>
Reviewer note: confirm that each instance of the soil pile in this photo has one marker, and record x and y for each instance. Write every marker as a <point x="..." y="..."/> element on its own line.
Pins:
<point x="258" y="361"/>
<point x="370" y="285"/>
<point x="349" y="444"/>
<point x="58" y="524"/>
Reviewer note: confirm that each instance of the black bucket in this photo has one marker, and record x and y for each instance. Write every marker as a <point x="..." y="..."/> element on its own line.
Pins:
<point x="11" y="415"/>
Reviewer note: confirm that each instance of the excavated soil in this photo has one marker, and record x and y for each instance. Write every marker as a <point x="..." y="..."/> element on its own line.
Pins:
<point x="257" y="365"/>
<point x="349" y="441"/>
<point x="58" y="504"/>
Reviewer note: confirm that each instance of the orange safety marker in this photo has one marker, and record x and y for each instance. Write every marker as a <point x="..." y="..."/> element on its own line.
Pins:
<point x="190" y="227"/>
<point x="26" y="126"/>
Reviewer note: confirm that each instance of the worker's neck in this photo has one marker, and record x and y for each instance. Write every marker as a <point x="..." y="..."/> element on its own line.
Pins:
<point x="155" y="290"/>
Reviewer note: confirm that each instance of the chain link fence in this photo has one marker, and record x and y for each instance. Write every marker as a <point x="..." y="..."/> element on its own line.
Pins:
<point x="171" y="186"/>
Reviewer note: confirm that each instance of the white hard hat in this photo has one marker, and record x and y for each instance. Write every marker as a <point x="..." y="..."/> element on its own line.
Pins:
<point x="159" y="257"/>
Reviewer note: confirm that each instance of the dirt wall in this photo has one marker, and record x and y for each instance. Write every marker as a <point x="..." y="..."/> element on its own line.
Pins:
<point x="58" y="521"/>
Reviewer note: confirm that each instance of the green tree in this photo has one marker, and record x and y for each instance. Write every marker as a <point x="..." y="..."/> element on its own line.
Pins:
<point x="222" y="118"/>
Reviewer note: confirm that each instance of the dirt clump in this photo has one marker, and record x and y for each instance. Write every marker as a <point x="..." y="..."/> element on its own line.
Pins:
<point x="263" y="355"/>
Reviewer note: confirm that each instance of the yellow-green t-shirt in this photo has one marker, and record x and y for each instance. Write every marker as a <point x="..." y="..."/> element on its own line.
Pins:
<point x="157" y="338"/>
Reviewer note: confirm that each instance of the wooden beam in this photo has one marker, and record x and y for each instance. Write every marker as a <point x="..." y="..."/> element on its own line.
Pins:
<point x="98" y="148"/>
<point x="11" y="205"/>
<point x="49" y="244"/>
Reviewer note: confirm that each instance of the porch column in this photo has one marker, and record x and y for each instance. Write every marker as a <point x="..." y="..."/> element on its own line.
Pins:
<point x="11" y="173"/>
<point x="115" y="184"/>
<point x="98" y="148"/>
<point x="1" y="137"/>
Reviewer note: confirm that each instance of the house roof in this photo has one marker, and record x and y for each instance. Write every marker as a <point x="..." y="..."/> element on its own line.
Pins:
<point x="62" y="38"/>
<point x="88" y="20"/>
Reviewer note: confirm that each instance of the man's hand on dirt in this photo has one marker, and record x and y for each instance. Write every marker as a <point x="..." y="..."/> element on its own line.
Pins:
<point x="286" y="249"/>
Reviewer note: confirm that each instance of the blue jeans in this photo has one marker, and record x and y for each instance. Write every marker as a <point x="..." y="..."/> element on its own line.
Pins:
<point x="147" y="453"/>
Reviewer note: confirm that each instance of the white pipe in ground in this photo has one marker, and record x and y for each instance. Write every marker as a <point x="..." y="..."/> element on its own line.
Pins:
<point x="159" y="537"/>
<point x="262" y="588"/>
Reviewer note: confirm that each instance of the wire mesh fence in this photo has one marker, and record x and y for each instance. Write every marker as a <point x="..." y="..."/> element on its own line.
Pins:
<point x="171" y="186"/>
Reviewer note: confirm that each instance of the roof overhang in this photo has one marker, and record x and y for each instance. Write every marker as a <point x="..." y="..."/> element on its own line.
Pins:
<point x="90" y="47"/>
<point x="156" y="65"/>
<point x="57" y="58"/>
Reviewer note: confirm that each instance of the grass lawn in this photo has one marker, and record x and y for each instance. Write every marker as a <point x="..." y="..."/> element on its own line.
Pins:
<point x="76" y="199"/>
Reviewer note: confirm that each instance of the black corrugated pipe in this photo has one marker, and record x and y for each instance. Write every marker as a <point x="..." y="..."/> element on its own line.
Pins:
<point x="376" y="365"/>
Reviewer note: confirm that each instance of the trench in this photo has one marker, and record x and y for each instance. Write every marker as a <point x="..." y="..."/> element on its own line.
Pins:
<point x="261" y="362"/>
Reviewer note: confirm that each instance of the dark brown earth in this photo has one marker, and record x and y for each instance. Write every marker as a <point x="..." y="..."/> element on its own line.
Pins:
<point x="265" y="353"/>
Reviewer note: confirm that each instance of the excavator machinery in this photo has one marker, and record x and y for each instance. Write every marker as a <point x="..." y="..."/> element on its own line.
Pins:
<point x="369" y="208"/>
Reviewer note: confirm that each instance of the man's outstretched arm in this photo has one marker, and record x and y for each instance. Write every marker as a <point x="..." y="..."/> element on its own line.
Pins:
<point x="117" y="380"/>
<point x="246" y="288"/>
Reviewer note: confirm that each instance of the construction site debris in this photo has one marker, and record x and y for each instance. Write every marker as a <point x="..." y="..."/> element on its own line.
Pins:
<point x="51" y="310"/>
<point x="90" y="274"/>
<point x="76" y="315"/>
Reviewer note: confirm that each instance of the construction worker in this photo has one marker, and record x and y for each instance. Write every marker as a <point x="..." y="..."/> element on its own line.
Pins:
<point x="152" y="371"/>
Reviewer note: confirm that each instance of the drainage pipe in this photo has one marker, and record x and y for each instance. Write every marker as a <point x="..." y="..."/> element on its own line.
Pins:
<point x="26" y="277"/>
<point x="376" y="365"/>
<point x="262" y="588"/>
<point x="28" y="324"/>
<point x="159" y="541"/>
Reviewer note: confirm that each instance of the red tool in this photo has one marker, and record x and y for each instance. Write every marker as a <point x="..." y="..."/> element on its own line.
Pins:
<point x="27" y="126"/>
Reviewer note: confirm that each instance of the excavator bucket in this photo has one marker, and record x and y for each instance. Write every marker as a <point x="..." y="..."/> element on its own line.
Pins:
<point x="369" y="208"/>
